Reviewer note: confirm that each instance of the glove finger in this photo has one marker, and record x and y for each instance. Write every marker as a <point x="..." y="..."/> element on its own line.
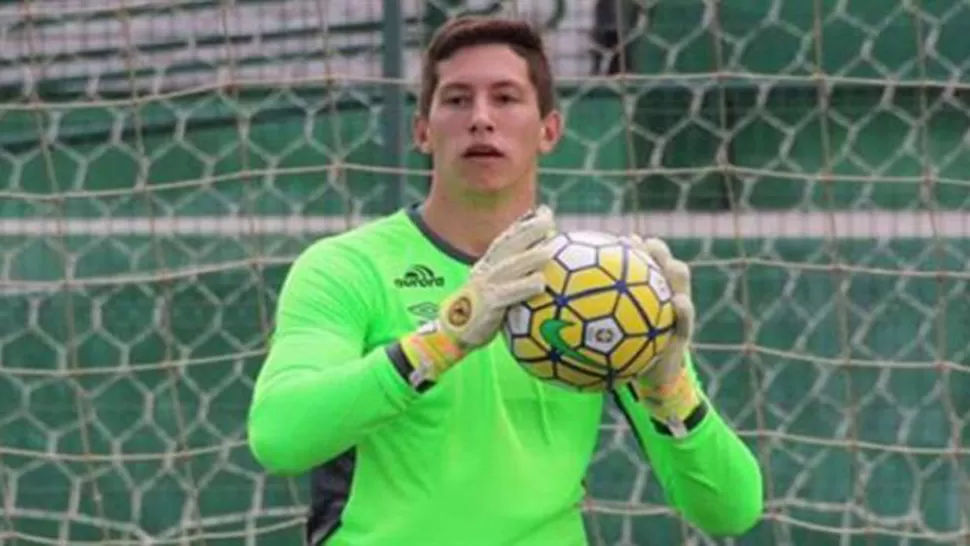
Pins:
<point x="658" y="250"/>
<point x="678" y="277"/>
<point x="529" y="230"/>
<point x="684" y="313"/>
<point x="668" y="362"/>
<point x="519" y="265"/>
<point x="632" y="240"/>
<point x="532" y="229"/>
<point x="519" y="290"/>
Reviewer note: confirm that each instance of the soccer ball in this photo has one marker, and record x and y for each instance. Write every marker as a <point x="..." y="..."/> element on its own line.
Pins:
<point x="604" y="316"/>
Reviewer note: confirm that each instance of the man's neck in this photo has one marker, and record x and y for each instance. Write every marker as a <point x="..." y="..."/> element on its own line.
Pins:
<point x="471" y="224"/>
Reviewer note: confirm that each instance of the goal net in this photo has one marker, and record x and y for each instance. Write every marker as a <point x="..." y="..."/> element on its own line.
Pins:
<point x="163" y="161"/>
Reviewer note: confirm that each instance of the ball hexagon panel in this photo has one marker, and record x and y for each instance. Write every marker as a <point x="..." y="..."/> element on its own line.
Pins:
<point x="556" y="276"/>
<point x="588" y="281"/>
<point x="577" y="257"/>
<point x="637" y="267"/>
<point x="529" y="349"/>
<point x="647" y="304"/>
<point x="613" y="260"/>
<point x="633" y="354"/>
<point x="518" y="320"/>
<point x="630" y="317"/>
<point x="603" y="335"/>
<point x="595" y="305"/>
<point x="592" y="238"/>
<point x="542" y="369"/>
<point x="577" y="378"/>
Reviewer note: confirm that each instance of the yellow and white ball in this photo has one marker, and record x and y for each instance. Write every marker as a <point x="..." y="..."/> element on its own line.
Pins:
<point x="604" y="317"/>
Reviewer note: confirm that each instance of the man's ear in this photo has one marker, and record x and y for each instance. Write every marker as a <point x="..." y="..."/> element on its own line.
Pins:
<point x="551" y="131"/>
<point x="421" y="137"/>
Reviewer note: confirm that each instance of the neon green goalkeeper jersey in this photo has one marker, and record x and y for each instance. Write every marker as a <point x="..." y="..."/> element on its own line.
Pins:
<point x="489" y="456"/>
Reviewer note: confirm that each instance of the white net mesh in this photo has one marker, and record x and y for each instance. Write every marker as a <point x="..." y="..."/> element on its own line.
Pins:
<point x="161" y="163"/>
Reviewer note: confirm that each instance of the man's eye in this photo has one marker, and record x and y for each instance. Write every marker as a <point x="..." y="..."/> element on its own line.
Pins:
<point x="456" y="100"/>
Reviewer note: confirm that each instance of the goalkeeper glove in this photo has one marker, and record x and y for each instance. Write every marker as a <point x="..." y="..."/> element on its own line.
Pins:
<point x="509" y="272"/>
<point x="667" y="388"/>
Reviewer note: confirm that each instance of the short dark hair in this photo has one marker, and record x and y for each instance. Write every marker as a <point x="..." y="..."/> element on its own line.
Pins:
<point x="469" y="31"/>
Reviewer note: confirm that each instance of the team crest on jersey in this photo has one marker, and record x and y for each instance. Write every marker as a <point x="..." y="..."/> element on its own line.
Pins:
<point x="419" y="276"/>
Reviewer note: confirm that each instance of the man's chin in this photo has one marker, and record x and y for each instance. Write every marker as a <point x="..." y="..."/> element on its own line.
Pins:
<point x="489" y="181"/>
<point x="490" y="187"/>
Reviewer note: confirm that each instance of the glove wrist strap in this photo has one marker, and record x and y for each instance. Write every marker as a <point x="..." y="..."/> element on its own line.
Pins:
<point x="673" y="403"/>
<point x="430" y="353"/>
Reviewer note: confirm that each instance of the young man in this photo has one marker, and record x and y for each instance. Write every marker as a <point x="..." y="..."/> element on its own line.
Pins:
<point x="386" y="376"/>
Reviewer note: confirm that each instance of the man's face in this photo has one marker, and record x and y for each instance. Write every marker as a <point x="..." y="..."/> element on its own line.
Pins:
<point x="484" y="129"/>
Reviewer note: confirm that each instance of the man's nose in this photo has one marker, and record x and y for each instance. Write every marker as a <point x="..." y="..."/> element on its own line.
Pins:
<point x="481" y="120"/>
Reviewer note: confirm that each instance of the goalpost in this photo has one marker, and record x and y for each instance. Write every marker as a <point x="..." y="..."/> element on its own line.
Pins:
<point x="163" y="161"/>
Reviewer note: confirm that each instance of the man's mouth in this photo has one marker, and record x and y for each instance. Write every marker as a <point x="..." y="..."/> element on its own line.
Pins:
<point x="482" y="151"/>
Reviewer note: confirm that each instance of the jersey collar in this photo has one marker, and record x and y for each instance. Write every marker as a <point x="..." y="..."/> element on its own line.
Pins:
<point x="414" y="214"/>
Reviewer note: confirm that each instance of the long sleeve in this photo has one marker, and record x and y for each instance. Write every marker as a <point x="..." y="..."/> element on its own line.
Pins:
<point x="318" y="393"/>
<point x="710" y="476"/>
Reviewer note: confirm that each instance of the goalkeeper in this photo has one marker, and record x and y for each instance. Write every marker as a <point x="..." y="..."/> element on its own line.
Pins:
<point x="386" y="381"/>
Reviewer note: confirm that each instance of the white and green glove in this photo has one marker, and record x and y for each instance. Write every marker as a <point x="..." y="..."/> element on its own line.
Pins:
<point x="510" y="272"/>
<point x="667" y="388"/>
